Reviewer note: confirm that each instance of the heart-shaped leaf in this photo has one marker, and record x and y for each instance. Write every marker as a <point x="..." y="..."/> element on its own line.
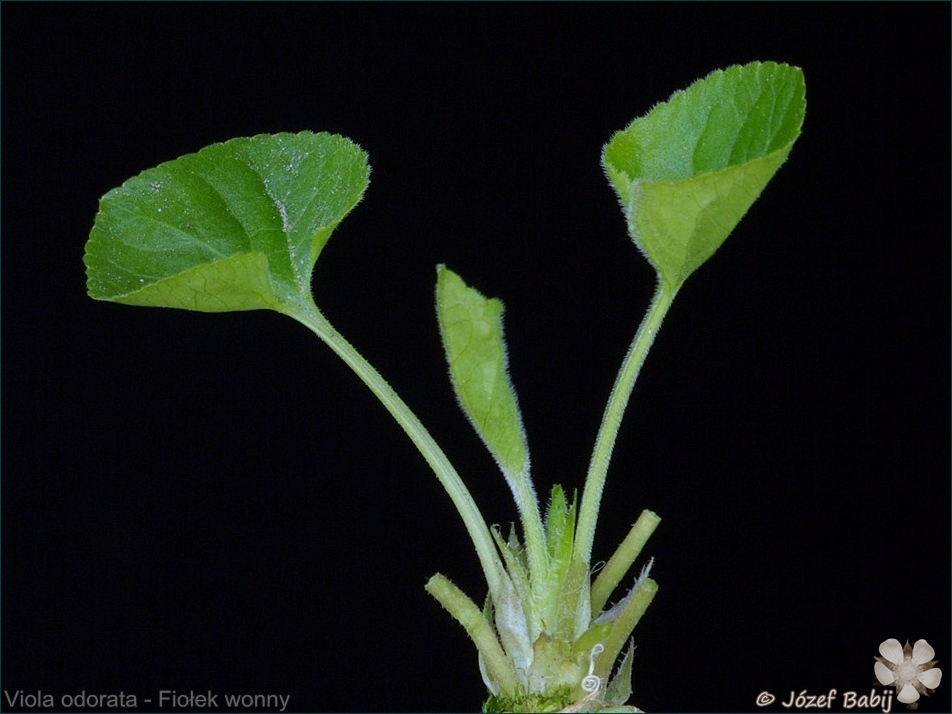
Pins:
<point x="236" y="226"/>
<point x="687" y="171"/>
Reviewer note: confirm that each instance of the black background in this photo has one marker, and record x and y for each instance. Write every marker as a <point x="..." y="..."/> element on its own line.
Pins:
<point x="214" y="502"/>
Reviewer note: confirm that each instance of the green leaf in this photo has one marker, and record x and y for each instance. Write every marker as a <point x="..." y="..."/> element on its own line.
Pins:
<point x="566" y="579"/>
<point x="471" y="329"/>
<point x="619" y="689"/>
<point x="236" y="226"/>
<point x="570" y="606"/>
<point x="688" y="171"/>
<point x="560" y="525"/>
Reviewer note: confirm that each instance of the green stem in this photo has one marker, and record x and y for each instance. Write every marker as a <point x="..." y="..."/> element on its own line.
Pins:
<point x="312" y="318"/>
<point x="498" y="665"/>
<point x="623" y="627"/>
<point x="617" y="567"/>
<point x="611" y="420"/>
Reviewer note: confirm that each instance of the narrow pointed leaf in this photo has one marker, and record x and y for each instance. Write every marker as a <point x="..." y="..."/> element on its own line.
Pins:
<point x="570" y="605"/>
<point x="557" y="522"/>
<point x="619" y="689"/>
<point x="235" y="226"/>
<point x="471" y="328"/>
<point x="688" y="171"/>
<point x="567" y="579"/>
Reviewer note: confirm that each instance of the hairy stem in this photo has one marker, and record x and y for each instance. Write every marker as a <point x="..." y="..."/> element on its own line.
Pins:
<point x="617" y="567"/>
<point x="313" y="319"/>
<point x="614" y="411"/>
<point x="623" y="627"/>
<point x="477" y="626"/>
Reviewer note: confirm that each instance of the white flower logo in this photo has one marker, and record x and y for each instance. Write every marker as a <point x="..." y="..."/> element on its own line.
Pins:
<point x="911" y="669"/>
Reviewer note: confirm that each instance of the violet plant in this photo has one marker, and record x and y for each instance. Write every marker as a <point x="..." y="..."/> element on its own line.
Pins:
<point x="240" y="225"/>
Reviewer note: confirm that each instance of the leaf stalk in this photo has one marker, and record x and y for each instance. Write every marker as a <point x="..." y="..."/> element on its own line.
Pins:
<point x="617" y="567"/>
<point x="614" y="411"/>
<point x="314" y="320"/>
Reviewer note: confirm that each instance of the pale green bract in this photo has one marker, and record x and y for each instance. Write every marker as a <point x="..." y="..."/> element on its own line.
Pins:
<point x="687" y="171"/>
<point x="235" y="226"/>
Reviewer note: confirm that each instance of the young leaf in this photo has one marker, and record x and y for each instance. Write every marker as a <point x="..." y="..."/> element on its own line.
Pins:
<point x="236" y="226"/>
<point x="560" y="525"/>
<point x="471" y="328"/>
<point x="566" y="579"/>
<point x="687" y="171"/>
<point x="619" y="689"/>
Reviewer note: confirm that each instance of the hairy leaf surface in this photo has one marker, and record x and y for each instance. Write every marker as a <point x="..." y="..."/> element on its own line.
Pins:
<point x="471" y="328"/>
<point x="688" y="171"/>
<point x="236" y="226"/>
